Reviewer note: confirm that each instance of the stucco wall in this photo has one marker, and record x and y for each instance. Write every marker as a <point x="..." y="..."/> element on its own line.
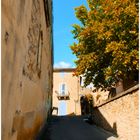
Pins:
<point x="26" y="68"/>
<point x="121" y="115"/>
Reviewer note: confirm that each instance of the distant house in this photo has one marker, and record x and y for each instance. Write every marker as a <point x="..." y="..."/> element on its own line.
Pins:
<point x="66" y="91"/>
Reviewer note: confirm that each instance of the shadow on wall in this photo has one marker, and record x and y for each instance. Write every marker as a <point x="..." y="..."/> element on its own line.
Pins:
<point x="95" y="116"/>
<point x="44" y="133"/>
<point x="101" y="121"/>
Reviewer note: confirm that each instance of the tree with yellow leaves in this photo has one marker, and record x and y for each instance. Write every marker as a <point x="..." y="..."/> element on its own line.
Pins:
<point x="107" y="41"/>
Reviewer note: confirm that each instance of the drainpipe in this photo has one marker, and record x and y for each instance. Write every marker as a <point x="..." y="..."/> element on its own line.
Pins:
<point x="78" y="83"/>
<point x="75" y="106"/>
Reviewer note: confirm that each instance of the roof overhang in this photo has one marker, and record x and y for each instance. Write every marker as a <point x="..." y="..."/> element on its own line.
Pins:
<point x="64" y="69"/>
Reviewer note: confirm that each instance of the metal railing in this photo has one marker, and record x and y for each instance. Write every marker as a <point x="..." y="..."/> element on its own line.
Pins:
<point x="63" y="96"/>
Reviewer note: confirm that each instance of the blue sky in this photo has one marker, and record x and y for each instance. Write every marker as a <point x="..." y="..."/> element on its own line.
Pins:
<point x="64" y="17"/>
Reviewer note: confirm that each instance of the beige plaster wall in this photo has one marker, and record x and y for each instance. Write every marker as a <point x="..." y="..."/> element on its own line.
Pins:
<point x="26" y="68"/>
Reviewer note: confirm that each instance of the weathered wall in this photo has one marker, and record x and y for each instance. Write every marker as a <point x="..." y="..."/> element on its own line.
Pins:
<point x="120" y="115"/>
<point x="26" y="67"/>
<point x="72" y="86"/>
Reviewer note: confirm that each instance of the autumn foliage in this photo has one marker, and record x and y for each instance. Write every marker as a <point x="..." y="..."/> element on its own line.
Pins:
<point x="107" y="41"/>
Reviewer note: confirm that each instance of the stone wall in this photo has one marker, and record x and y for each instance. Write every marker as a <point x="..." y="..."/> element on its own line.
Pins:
<point x="26" y="67"/>
<point x="120" y="115"/>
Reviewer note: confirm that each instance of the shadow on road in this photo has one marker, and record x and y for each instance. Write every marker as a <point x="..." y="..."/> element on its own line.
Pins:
<point x="87" y="126"/>
<point x="96" y="116"/>
<point x="72" y="128"/>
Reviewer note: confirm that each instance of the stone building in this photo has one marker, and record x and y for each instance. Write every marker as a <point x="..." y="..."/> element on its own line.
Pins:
<point x="26" y="67"/>
<point x="66" y="96"/>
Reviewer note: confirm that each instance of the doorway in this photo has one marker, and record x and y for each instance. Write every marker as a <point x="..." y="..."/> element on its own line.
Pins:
<point x="62" y="108"/>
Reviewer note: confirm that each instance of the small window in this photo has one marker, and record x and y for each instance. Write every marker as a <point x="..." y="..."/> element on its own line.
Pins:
<point x="62" y="89"/>
<point x="81" y="81"/>
<point x="62" y="74"/>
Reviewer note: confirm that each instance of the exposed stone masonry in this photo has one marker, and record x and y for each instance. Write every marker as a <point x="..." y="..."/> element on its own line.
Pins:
<point x="32" y="67"/>
<point x="120" y="115"/>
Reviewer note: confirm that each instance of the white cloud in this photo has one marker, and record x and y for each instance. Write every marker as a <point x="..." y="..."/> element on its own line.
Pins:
<point x="62" y="64"/>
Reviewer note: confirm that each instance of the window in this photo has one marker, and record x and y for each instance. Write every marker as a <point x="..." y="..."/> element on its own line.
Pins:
<point x="63" y="89"/>
<point x="62" y="74"/>
<point x="81" y="81"/>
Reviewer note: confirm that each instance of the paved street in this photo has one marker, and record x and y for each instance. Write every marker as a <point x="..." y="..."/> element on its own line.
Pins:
<point x="74" y="128"/>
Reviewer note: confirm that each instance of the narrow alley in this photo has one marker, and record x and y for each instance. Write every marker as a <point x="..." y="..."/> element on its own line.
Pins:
<point x="69" y="70"/>
<point x="73" y="128"/>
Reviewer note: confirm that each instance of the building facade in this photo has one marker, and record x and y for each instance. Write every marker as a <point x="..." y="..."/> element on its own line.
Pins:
<point x="66" y="97"/>
<point x="26" y="67"/>
<point x="68" y="90"/>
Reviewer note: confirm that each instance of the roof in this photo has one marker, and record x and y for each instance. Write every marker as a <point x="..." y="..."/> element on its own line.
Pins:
<point x="64" y="69"/>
